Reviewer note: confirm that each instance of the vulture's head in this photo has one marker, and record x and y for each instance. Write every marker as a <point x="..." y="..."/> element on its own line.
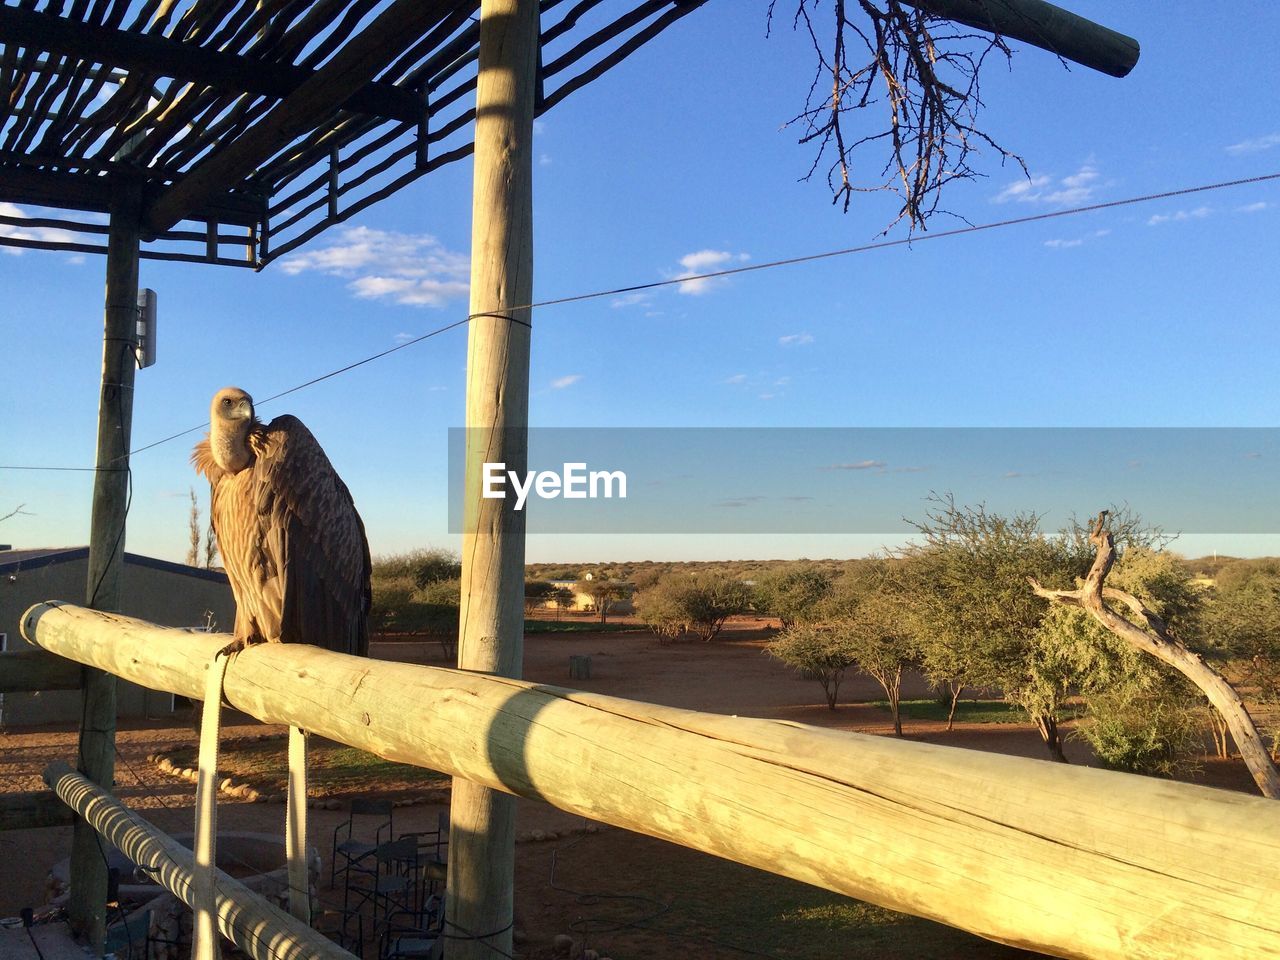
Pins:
<point x="230" y="417"/>
<point x="232" y="409"/>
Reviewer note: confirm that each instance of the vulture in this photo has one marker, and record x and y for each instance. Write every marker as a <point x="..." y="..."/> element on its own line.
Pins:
<point x="292" y="543"/>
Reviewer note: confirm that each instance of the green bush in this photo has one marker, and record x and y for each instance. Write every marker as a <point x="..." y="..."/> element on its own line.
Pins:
<point x="1150" y="732"/>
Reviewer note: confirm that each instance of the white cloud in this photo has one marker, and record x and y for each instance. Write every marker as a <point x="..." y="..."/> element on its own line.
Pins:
<point x="858" y="465"/>
<point x="737" y="378"/>
<point x="705" y="261"/>
<point x="544" y="159"/>
<point x="402" y="338"/>
<point x="796" y="339"/>
<point x="1199" y="213"/>
<point x="46" y="234"/>
<point x="409" y="268"/>
<point x="1253" y="207"/>
<point x="567" y="381"/>
<point x="1063" y="243"/>
<point x="1254" y="145"/>
<point x="629" y="300"/>
<point x="1072" y="190"/>
<point x="1023" y="191"/>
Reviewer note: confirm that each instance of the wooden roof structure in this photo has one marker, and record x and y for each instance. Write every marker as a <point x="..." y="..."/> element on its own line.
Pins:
<point x="251" y="126"/>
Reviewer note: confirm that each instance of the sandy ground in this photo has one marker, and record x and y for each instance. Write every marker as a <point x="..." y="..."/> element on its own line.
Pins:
<point x="731" y="676"/>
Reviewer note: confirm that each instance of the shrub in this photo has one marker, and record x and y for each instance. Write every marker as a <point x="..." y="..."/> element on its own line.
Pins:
<point x="1149" y="732"/>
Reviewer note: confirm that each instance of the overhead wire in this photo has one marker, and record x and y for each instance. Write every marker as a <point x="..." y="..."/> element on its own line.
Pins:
<point x="711" y="275"/>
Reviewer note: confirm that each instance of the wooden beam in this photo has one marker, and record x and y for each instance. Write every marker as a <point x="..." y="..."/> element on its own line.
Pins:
<point x="188" y="63"/>
<point x="1046" y="26"/>
<point x="34" y="809"/>
<point x="92" y="192"/>
<point x="481" y="876"/>
<point x="257" y="927"/>
<point x="1063" y="860"/>
<point x="395" y="29"/>
<point x="97" y="759"/>
<point x="29" y="671"/>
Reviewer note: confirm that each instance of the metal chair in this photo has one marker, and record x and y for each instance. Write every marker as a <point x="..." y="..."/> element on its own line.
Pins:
<point x="353" y="847"/>
<point x="433" y="852"/>
<point x="388" y="880"/>
<point x="414" y="936"/>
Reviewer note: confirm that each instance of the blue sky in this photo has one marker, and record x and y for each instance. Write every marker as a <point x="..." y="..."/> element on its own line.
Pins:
<point x="1155" y="315"/>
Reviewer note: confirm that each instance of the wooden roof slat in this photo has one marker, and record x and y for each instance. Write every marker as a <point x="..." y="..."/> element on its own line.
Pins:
<point x="214" y="147"/>
<point x="84" y="75"/>
<point x="350" y="69"/>
<point x="53" y="188"/>
<point x="160" y="55"/>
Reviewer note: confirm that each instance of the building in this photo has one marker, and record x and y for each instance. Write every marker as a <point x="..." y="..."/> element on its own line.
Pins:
<point x="172" y="594"/>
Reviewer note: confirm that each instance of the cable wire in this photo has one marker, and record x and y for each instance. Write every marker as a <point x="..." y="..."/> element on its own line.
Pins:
<point x="713" y="275"/>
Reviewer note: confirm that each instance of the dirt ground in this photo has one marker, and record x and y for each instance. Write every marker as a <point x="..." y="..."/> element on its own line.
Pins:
<point x="601" y="890"/>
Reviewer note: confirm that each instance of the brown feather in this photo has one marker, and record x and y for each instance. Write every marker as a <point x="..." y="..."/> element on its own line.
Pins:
<point x="293" y="544"/>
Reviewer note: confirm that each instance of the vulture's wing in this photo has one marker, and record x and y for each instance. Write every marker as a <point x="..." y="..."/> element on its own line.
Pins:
<point x="315" y="538"/>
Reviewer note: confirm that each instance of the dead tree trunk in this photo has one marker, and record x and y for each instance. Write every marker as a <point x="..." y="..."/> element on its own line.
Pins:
<point x="1161" y="644"/>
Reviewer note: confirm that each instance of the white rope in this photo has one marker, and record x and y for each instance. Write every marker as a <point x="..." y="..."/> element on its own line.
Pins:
<point x="295" y="827"/>
<point x="206" y="943"/>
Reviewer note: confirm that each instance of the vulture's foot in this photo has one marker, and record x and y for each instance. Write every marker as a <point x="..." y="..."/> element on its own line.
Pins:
<point x="234" y="647"/>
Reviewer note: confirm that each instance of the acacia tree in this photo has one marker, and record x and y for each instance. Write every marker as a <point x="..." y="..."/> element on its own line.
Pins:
<point x="536" y="594"/>
<point x="1242" y="621"/>
<point x="1149" y="633"/>
<point x="969" y="598"/>
<point x="678" y="603"/>
<point x="871" y="614"/>
<point x="793" y="593"/>
<point x="603" y="591"/>
<point x="819" y="651"/>
<point x="564" y="600"/>
<point x="662" y="612"/>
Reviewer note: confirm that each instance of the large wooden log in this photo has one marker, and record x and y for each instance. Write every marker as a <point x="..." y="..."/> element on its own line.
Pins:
<point x="1046" y="26"/>
<point x="247" y="919"/>
<point x="1068" y="861"/>
<point x="480" y="901"/>
<point x="103" y="585"/>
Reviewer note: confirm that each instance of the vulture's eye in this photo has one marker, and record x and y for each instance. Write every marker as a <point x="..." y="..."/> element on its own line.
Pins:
<point x="226" y="402"/>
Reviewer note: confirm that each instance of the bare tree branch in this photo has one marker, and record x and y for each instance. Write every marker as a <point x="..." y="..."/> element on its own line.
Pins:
<point x="16" y="512"/>
<point x="1158" y="641"/>
<point x="924" y="71"/>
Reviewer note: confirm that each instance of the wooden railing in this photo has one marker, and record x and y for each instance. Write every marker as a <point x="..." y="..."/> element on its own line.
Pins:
<point x="1068" y="861"/>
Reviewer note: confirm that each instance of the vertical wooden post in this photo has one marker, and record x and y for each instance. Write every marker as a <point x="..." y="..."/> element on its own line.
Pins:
<point x="491" y="632"/>
<point x="106" y="547"/>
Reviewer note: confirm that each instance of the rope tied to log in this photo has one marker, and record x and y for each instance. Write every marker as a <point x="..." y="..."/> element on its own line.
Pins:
<point x="206" y="944"/>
